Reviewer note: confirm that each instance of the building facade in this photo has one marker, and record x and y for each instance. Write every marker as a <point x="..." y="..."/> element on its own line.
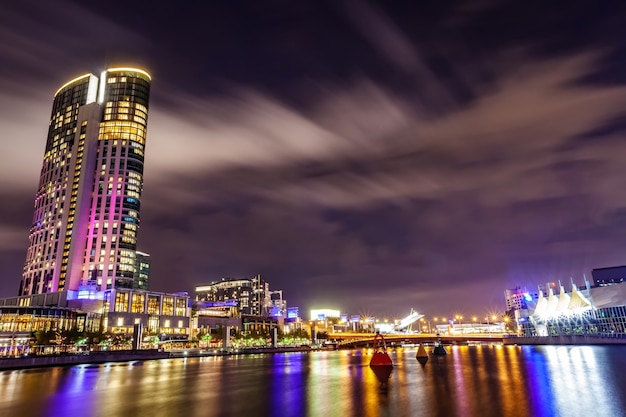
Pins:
<point x="142" y="271"/>
<point x="609" y="276"/>
<point x="162" y="314"/>
<point x="277" y="305"/>
<point x="87" y="204"/>
<point x="588" y="311"/>
<point x="112" y="311"/>
<point x="249" y="296"/>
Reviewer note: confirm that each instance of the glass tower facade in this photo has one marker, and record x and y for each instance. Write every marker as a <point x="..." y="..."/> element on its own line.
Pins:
<point x="86" y="211"/>
<point x="142" y="271"/>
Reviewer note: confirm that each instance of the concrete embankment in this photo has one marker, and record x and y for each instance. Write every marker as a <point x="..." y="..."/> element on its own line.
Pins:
<point x="78" y="359"/>
<point x="191" y="353"/>
<point x="563" y="340"/>
<point x="131" y="355"/>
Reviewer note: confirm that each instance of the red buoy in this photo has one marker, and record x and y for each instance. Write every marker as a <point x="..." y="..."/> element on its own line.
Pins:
<point x="381" y="357"/>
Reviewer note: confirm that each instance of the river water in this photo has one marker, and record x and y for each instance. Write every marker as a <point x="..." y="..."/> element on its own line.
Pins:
<point x="469" y="381"/>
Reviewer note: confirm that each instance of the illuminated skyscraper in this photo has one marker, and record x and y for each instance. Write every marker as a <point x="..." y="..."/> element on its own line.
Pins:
<point x="86" y="212"/>
<point x="142" y="271"/>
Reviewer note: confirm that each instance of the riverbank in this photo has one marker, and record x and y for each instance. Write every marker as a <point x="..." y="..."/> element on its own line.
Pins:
<point x="42" y="361"/>
<point x="99" y="357"/>
<point x="564" y="340"/>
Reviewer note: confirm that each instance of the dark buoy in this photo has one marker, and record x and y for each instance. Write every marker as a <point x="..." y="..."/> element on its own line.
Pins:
<point x="382" y="372"/>
<point x="380" y="357"/>
<point x="422" y="361"/>
<point x="421" y="352"/>
<point x="439" y="349"/>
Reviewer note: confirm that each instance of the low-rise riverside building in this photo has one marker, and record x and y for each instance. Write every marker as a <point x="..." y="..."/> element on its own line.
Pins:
<point x="87" y="310"/>
<point x="167" y="315"/>
<point x="589" y="311"/>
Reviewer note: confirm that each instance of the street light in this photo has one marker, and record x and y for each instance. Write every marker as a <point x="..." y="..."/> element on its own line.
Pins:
<point x="423" y="320"/>
<point x="459" y="319"/>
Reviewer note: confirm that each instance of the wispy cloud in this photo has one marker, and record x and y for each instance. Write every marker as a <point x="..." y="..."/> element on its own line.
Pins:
<point x="369" y="145"/>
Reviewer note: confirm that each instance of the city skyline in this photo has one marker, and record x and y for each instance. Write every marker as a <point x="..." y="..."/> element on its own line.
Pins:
<point x="357" y="155"/>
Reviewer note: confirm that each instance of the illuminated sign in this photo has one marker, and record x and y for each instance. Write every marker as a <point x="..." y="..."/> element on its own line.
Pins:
<point x="225" y="303"/>
<point x="293" y="313"/>
<point x="323" y="314"/>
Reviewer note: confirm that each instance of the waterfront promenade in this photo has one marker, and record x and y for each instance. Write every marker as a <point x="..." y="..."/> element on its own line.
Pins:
<point x="98" y="357"/>
<point x="40" y="361"/>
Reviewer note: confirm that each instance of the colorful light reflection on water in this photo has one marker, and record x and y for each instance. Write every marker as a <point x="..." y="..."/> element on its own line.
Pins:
<point x="469" y="381"/>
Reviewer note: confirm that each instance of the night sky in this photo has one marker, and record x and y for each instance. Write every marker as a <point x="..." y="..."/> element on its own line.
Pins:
<point x="369" y="157"/>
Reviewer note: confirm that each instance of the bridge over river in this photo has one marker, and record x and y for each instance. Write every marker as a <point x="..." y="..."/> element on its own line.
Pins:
<point x="354" y="340"/>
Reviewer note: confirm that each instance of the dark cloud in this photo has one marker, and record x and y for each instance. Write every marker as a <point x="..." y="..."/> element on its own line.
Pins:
<point x="364" y="156"/>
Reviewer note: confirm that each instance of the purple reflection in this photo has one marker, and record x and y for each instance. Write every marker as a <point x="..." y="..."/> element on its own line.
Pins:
<point x="288" y="385"/>
<point x="75" y="392"/>
<point x="538" y="382"/>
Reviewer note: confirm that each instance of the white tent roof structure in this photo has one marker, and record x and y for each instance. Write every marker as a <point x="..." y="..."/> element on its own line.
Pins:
<point x="542" y="305"/>
<point x="578" y="300"/>
<point x="564" y="301"/>
<point x="553" y="301"/>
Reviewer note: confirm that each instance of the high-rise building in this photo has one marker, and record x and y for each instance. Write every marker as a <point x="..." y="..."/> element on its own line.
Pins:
<point x="86" y="211"/>
<point x="250" y="296"/>
<point x="142" y="271"/>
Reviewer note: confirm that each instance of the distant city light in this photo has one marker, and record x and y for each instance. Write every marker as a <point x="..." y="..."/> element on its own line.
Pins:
<point x="323" y="314"/>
